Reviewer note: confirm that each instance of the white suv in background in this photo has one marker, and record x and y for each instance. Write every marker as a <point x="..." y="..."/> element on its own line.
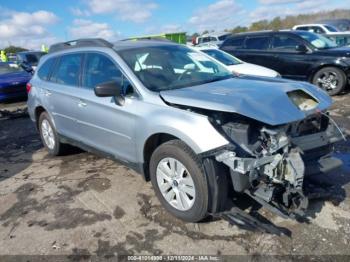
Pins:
<point x="319" y="29"/>
<point x="212" y="38"/>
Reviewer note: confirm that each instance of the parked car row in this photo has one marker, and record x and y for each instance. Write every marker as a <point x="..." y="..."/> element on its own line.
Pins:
<point x="13" y="80"/>
<point x="181" y="119"/>
<point x="236" y="65"/>
<point x="14" y="75"/>
<point x="298" y="55"/>
<point x="341" y="38"/>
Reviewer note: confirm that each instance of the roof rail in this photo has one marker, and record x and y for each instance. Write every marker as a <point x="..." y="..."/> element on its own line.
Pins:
<point x="154" y="38"/>
<point x="92" y="42"/>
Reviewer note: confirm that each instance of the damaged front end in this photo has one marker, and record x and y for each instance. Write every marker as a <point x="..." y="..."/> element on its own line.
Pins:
<point x="278" y="132"/>
<point x="269" y="163"/>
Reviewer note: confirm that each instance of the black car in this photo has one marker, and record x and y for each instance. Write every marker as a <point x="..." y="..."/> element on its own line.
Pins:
<point x="29" y="59"/>
<point x="298" y="55"/>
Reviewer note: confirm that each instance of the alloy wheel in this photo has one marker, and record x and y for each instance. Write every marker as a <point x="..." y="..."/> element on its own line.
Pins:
<point x="175" y="184"/>
<point x="328" y="80"/>
<point x="47" y="133"/>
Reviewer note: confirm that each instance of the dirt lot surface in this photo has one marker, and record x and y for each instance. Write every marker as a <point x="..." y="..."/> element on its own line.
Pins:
<point x="87" y="205"/>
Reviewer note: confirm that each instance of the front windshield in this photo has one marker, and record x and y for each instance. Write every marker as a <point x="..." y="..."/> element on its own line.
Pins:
<point x="9" y="68"/>
<point x="223" y="57"/>
<point x="173" y="66"/>
<point x="318" y="41"/>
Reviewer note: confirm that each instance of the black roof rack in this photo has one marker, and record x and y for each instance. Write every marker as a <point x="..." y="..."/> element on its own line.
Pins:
<point x="92" y="42"/>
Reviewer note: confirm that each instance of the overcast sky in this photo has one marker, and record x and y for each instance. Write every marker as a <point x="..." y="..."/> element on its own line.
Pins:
<point x="35" y="22"/>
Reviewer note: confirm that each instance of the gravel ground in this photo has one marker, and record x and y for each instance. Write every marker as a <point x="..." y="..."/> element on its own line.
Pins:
<point x="84" y="205"/>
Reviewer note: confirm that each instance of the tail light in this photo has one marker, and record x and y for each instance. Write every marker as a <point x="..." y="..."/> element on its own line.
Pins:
<point x="28" y="87"/>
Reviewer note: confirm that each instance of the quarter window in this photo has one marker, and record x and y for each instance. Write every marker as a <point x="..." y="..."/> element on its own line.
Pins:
<point x="68" y="69"/>
<point x="45" y="69"/>
<point x="258" y="43"/>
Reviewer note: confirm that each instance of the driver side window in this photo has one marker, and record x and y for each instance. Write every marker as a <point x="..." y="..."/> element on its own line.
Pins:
<point x="100" y="69"/>
<point x="284" y="43"/>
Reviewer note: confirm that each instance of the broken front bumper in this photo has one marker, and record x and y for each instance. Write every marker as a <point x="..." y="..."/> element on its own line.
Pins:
<point x="276" y="180"/>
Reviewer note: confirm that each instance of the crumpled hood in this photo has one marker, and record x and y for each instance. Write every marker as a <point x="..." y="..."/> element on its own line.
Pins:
<point x="262" y="99"/>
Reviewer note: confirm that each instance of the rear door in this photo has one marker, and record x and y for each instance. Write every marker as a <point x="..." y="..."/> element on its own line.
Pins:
<point x="61" y="94"/>
<point x="233" y="45"/>
<point x="103" y="124"/>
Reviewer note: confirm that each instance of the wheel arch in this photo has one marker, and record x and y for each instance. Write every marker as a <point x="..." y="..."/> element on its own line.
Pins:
<point x="151" y="144"/>
<point x="319" y="67"/>
<point x="37" y="112"/>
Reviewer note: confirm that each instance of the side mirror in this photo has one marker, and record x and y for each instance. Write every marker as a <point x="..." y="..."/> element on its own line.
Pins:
<point x="111" y="89"/>
<point x="301" y="48"/>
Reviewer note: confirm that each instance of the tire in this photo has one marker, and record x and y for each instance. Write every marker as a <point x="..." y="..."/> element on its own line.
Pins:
<point x="45" y="125"/>
<point x="190" y="210"/>
<point x="331" y="79"/>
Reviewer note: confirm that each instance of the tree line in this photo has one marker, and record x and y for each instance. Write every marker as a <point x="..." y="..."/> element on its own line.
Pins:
<point x="289" y="21"/>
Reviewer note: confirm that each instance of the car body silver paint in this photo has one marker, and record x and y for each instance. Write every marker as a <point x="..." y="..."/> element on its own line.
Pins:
<point x="119" y="130"/>
<point x="262" y="99"/>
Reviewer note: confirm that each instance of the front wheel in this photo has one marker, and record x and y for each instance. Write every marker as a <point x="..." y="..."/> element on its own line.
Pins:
<point x="179" y="181"/>
<point x="330" y="79"/>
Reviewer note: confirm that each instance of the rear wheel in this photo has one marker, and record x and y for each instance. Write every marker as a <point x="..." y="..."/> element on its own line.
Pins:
<point x="49" y="136"/>
<point x="330" y="79"/>
<point x="179" y="181"/>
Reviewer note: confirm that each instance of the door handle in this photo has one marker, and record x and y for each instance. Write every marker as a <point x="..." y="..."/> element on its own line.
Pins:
<point x="82" y="103"/>
<point x="47" y="93"/>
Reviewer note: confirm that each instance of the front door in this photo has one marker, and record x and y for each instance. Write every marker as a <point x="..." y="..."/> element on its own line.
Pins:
<point x="289" y="62"/>
<point x="102" y="123"/>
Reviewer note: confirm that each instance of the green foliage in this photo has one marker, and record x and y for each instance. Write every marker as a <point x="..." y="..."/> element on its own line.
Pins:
<point x="239" y="29"/>
<point x="14" y="49"/>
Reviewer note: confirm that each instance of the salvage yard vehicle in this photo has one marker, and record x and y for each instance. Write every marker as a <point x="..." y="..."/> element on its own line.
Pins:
<point x="341" y="38"/>
<point x="236" y="65"/>
<point x="318" y="29"/>
<point x="212" y="38"/>
<point x="13" y="80"/>
<point x="298" y="55"/>
<point x="29" y="59"/>
<point x="196" y="134"/>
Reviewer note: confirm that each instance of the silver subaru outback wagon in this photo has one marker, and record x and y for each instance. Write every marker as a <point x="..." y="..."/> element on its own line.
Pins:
<point x="183" y="121"/>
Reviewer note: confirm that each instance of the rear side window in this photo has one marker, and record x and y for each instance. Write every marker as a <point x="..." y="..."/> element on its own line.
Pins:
<point x="45" y="69"/>
<point x="257" y="42"/>
<point x="67" y="71"/>
<point x="206" y="39"/>
<point x="317" y="30"/>
<point x="304" y="28"/>
<point x="99" y="69"/>
<point x="234" y="42"/>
